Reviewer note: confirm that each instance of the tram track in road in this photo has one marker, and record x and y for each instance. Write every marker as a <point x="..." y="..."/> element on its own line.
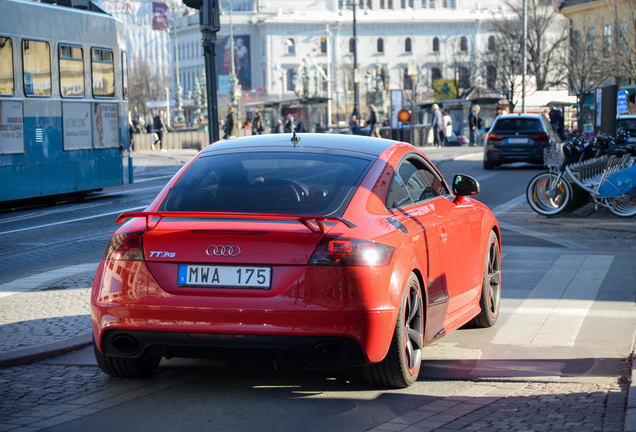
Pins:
<point x="52" y="245"/>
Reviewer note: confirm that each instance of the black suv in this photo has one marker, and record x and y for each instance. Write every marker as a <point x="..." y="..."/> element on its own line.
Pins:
<point x="518" y="138"/>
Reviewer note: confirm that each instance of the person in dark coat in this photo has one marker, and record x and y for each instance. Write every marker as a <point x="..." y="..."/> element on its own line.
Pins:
<point x="437" y="125"/>
<point x="290" y="124"/>
<point x="257" y="124"/>
<point x="474" y="123"/>
<point x="373" y="122"/>
<point x="230" y="124"/>
<point x="158" y="127"/>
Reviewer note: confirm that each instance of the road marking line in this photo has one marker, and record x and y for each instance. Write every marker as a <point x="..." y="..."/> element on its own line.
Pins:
<point x="32" y="282"/>
<point x="74" y="220"/>
<point x="573" y="281"/>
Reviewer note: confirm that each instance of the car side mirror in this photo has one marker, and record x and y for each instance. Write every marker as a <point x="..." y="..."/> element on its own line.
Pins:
<point x="464" y="185"/>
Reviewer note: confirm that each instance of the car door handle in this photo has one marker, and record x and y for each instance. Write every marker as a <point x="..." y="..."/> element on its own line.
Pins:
<point x="443" y="236"/>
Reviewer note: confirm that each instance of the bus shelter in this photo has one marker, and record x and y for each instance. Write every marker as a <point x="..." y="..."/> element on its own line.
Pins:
<point x="309" y="113"/>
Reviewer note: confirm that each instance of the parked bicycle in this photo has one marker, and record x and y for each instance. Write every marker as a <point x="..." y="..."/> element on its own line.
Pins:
<point x="603" y="168"/>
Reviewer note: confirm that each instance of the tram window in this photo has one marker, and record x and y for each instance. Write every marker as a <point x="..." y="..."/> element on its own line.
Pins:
<point x="71" y="71"/>
<point x="124" y="73"/>
<point x="36" y="61"/>
<point x="103" y="73"/>
<point x="6" y="66"/>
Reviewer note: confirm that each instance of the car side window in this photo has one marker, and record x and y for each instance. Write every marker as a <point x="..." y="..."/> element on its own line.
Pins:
<point x="398" y="195"/>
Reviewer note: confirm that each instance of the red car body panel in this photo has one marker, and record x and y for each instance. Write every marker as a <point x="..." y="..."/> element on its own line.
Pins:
<point x="443" y="246"/>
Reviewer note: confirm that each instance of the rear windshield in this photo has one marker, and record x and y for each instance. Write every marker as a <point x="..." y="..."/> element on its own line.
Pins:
<point x="518" y="125"/>
<point x="281" y="183"/>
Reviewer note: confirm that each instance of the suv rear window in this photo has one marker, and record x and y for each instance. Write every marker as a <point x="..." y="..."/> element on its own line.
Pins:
<point x="282" y="183"/>
<point x="518" y="125"/>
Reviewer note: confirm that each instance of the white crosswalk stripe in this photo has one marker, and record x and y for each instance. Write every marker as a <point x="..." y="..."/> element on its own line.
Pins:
<point x="571" y="284"/>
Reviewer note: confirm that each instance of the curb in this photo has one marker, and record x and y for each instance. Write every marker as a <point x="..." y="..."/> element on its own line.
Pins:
<point x="37" y="353"/>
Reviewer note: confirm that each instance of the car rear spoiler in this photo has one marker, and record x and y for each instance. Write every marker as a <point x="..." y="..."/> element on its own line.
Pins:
<point x="314" y="223"/>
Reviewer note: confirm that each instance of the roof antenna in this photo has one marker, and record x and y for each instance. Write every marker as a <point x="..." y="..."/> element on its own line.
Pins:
<point x="295" y="139"/>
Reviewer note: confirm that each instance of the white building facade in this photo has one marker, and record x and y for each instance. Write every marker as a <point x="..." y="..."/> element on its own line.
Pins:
<point x="283" y="41"/>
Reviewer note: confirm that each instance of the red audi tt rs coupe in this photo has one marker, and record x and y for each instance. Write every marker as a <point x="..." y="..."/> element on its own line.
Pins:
<point x="330" y="250"/>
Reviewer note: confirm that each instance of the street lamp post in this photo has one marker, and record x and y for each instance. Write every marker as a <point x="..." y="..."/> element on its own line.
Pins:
<point x="233" y="80"/>
<point x="356" y="84"/>
<point x="178" y="90"/>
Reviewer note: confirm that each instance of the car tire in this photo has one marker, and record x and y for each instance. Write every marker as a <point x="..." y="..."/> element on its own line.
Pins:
<point x="126" y="367"/>
<point x="401" y="366"/>
<point x="491" y="286"/>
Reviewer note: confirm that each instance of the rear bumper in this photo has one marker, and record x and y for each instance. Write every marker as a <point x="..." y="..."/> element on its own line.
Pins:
<point x="504" y="156"/>
<point x="324" y="307"/>
<point x="322" y="351"/>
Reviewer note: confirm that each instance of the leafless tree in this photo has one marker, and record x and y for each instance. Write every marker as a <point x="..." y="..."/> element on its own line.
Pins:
<point x="626" y="54"/>
<point x="145" y="84"/>
<point x="587" y="66"/>
<point x="546" y="40"/>
<point x="506" y="62"/>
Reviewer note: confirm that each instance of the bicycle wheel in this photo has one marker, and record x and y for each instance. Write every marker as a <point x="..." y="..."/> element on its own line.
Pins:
<point x="623" y="208"/>
<point x="548" y="194"/>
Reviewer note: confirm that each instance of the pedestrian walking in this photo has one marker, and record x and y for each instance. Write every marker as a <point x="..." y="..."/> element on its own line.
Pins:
<point x="230" y="124"/>
<point x="437" y="125"/>
<point x="448" y="128"/>
<point x="474" y="123"/>
<point x="373" y="122"/>
<point x="159" y="127"/>
<point x="257" y="124"/>
<point x="354" y="126"/>
<point x="290" y="124"/>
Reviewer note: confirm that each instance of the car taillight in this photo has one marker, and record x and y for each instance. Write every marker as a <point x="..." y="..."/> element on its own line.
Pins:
<point x="338" y="251"/>
<point x="125" y="247"/>
<point x="494" y="138"/>
<point x="541" y="137"/>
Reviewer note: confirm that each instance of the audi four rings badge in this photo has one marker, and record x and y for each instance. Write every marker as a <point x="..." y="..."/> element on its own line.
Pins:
<point x="226" y="251"/>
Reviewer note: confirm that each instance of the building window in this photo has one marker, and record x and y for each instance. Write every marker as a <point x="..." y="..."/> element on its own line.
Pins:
<point x="124" y="73"/>
<point x="323" y="45"/>
<point x="408" y="45"/>
<point x="382" y="4"/>
<point x="491" y="43"/>
<point x="369" y="4"/>
<point x="464" y="77"/>
<point x="491" y="77"/>
<point x="607" y="41"/>
<point x="380" y="46"/>
<point x="6" y="66"/>
<point x="408" y="81"/>
<point x="436" y="74"/>
<point x="389" y="4"/>
<point x="36" y="61"/>
<point x="623" y="38"/>
<point x="71" y="71"/>
<point x="431" y="4"/>
<point x="403" y="4"/>
<point x="352" y="45"/>
<point x="291" y="46"/>
<point x="436" y="45"/>
<point x="463" y="44"/>
<point x="291" y="79"/>
<point x="591" y="36"/>
<point x="103" y="67"/>
<point x="424" y="4"/>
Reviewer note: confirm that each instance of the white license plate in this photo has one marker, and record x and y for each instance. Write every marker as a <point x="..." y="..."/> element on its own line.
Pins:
<point x="631" y="139"/>
<point x="224" y="276"/>
<point x="517" y="140"/>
